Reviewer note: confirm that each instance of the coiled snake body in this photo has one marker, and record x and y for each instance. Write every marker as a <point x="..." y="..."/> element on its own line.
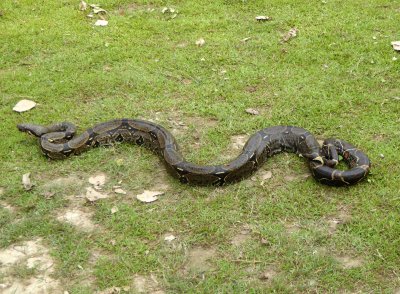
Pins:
<point x="58" y="141"/>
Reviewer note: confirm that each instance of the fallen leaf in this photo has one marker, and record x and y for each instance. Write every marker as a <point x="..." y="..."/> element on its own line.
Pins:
<point x="99" y="10"/>
<point x="290" y="35"/>
<point x="24" y="105"/>
<point x="26" y="181"/>
<point x="82" y="6"/>
<point x="396" y="45"/>
<point x="149" y="196"/>
<point x="114" y="209"/>
<point x="101" y="23"/>
<point x="262" y="18"/>
<point x="200" y="42"/>
<point x="252" y="111"/>
<point x="119" y="191"/>
<point x="169" y="238"/>
<point x="92" y="195"/>
<point x="97" y="181"/>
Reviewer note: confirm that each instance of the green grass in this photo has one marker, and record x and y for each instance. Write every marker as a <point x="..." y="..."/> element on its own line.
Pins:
<point x="337" y="78"/>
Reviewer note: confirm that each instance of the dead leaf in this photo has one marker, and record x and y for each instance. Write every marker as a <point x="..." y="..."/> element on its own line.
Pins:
<point x="169" y="238"/>
<point x="264" y="241"/>
<point x="396" y="45"/>
<point x="290" y="35"/>
<point x="114" y="209"/>
<point x="92" y="195"/>
<point x="82" y="6"/>
<point x="97" y="181"/>
<point x="24" y="105"/>
<point x="149" y="196"/>
<point x="119" y="191"/>
<point x="263" y="18"/>
<point x="101" y="23"/>
<point x="98" y="10"/>
<point x="26" y="181"/>
<point x="252" y="111"/>
<point x="200" y="42"/>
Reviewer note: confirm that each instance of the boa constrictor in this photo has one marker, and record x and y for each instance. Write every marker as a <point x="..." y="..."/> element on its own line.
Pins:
<point x="58" y="141"/>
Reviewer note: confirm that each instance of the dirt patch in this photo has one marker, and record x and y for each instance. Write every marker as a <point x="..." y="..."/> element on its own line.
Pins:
<point x="1" y="191"/>
<point x="292" y="228"/>
<point x="35" y="258"/>
<point x="241" y="237"/>
<point x="61" y="186"/>
<point x="238" y="141"/>
<point x="7" y="206"/>
<point x="290" y="178"/>
<point x="198" y="260"/>
<point x="341" y="218"/>
<point x="149" y="284"/>
<point x="78" y="217"/>
<point x="134" y="7"/>
<point x="348" y="262"/>
<point x="268" y="274"/>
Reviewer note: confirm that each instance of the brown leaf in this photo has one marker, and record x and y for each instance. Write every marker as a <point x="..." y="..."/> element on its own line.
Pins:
<point x="119" y="191"/>
<point x="396" y="45"/>
<point x="82" y="6"/>
<point x="149" y="196"/>
<point x="92" y="195"/>
<point x="97" y="181"/>
<point x="24" y="105"/>
<point x="200" y="42"/>
<point x="290" y="35"/>
<point x="252" y="111"/>
<point x="263" y="18"/>
<point x="26" y="181"/>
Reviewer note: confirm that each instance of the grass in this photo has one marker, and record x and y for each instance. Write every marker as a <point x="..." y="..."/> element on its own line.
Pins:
<point x="336" y="78"/>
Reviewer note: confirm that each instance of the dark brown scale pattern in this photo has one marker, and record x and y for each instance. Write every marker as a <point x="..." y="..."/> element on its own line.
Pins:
<point x="59" y="141"/>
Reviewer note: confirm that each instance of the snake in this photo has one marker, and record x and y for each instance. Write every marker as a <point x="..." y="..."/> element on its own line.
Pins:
<point x="59" y="141"/>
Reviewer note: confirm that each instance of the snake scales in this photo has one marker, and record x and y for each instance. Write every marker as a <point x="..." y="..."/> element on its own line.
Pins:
<point x="58" y="141"/>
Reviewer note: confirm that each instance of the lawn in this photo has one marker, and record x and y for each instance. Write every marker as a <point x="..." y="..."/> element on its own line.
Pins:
<point x="274" y="232"/>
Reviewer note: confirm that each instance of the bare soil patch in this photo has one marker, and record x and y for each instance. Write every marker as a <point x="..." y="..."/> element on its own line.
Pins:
<point x="34" y="257"/>
<point x="78" y="217"/>
<point x="199" y="260"/>
<point x="241" y="237"/>
<point x="343" y="216"/>
<point x="348" y="262"/>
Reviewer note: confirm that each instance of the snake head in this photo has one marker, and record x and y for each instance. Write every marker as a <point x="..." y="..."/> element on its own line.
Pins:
<point x="31" y="129"/>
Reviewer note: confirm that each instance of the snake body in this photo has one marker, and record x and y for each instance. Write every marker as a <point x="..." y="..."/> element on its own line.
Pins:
<point x="59" y="141"/>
